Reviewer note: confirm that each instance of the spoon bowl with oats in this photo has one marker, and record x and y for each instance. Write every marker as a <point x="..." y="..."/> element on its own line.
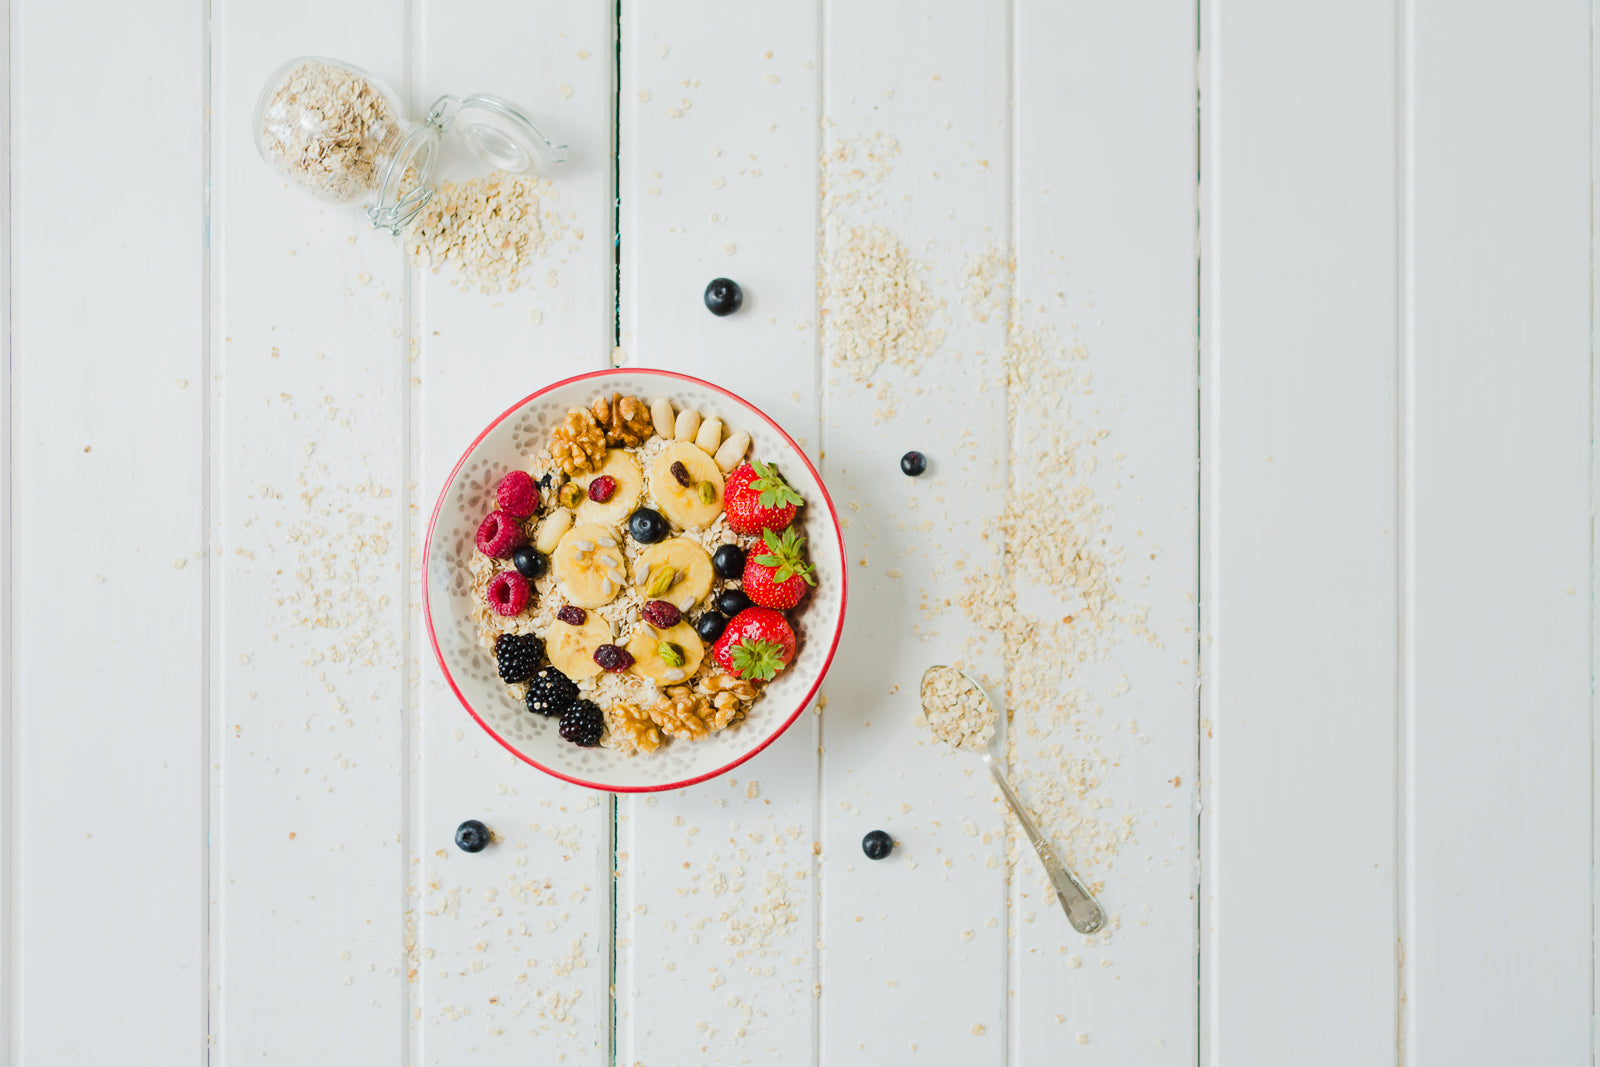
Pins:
<point x="961" y="715"/>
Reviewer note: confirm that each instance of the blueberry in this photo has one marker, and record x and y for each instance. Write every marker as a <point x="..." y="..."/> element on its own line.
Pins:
<point x="472" y="836"/>
<point x="732" y="601"/>
<point x="723" y="296"/>
<point x="729" y="561"/>
<point x="913" y="463"/>
<point x="647" y="526"/>
<point x="529" y="563"/>
<point x="710" y="626"/>
<point x="877" y="845"/>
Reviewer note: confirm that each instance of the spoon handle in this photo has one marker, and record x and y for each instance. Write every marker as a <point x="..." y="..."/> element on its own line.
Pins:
<point x="1082" y="911"/>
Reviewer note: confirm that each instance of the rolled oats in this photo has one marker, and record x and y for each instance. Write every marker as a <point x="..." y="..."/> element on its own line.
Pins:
<point x="330" y="129"/>
<point x="957" y="711"/>
<point x="490" y="230"/>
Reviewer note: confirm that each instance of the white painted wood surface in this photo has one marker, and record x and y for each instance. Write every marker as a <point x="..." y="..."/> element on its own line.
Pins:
<point x="1334" y="390"/>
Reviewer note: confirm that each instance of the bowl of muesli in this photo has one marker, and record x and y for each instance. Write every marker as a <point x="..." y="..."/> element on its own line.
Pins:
<point x="634" y="580"/>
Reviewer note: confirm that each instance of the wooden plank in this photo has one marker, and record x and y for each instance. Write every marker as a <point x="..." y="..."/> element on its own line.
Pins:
<point x="8" y="747"/>
<point x="1498" y="435"/>
<point x="311" y="516"/>
<point x="1106" y="248"/>
<point x="718" y="177"/>
<point x="514" y="943"/>
<point x="107" y="804"/>
<point x="917" y="170"/>
<point x="1300" y="542"/>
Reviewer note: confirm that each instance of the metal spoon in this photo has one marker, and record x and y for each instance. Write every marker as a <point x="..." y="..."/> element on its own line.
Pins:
<point x="1082" y="911"/>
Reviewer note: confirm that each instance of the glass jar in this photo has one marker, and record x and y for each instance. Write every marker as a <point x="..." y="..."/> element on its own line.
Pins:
<point x="338" y="132"/>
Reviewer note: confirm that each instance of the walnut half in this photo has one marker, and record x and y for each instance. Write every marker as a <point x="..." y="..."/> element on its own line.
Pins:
<point x="682" y="713"/>
<point x="730" y="698"/>
<point x="625" y="419"/>
<point x="630" y="729"/>
<point x="578" y="444"/>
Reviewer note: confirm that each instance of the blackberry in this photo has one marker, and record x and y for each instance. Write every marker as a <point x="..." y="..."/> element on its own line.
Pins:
<point x="582" y="724"/>
<point x="551" y="692"/>
<point x="518" y="656"/>
<point x="877" y="845"/>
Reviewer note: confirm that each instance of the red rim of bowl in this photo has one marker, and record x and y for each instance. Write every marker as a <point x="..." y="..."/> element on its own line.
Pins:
<point x="427" y="606"/>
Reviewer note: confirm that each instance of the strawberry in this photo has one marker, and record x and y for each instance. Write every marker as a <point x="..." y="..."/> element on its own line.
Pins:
<point x="778" y="577"/>
<point x="757" y="498"/>
<point x="757" y="644"/>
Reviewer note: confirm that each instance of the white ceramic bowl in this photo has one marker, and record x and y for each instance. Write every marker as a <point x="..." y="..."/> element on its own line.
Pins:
<point x="446" y="598"/>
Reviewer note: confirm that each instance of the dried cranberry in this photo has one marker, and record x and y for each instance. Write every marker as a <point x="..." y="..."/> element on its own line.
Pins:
<point x="660" y="614"/>
<point x="602" y="488"/>
<point x="573" y="616"/>
<point x="681" y="473"/>
<point x="613" y="658"/>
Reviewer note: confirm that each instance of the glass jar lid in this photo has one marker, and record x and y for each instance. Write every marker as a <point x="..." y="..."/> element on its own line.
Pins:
<point x="498" y="132"/>
<point x="502" y="135"/>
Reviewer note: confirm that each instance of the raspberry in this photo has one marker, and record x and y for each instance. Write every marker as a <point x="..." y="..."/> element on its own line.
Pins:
<point x="583" y="724"/>
<point x="508" y="593"/>
<point x="498" y="535"/>
<point x="517" y="656"/>
<point x="660" y="614"/>
<point x="613" y="658"/>
<point x="572" y="616"/>
<point x="602" y="488"/>
<point x="550" y="692"/>
<point x="517" y="495"/>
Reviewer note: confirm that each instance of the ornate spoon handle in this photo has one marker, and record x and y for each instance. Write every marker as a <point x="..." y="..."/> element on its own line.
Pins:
<point x="1082" y="911"/>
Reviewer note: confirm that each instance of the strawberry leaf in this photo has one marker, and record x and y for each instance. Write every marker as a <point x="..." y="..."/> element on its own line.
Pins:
<point x="757" y="659"/>
<point x="775" y="492"/>
<point x="785" y="556"/>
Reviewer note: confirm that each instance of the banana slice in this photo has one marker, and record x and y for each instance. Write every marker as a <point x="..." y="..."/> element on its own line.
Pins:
<point x="588" y="564"/>
<point x="681" y="503"/>
<point x="630" y="480"/>
<point x="645" y="644"/>
<point x="571" y="648"/>
<point x="691" y="571"/>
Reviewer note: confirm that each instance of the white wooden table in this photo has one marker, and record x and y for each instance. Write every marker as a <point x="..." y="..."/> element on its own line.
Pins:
<point x="1331" y="269"/>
